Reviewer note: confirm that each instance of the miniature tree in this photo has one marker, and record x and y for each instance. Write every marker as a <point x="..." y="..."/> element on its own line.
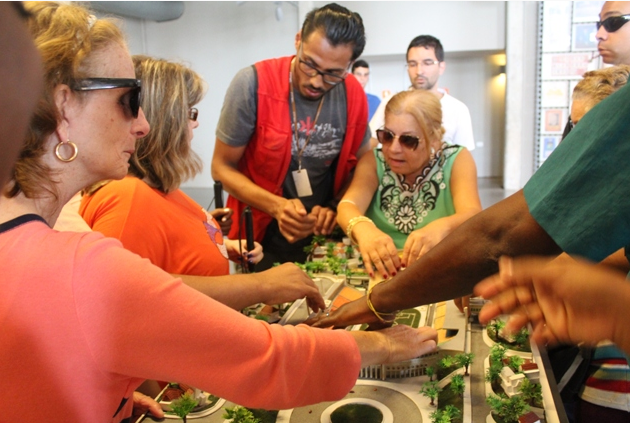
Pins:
<point x="240" y="415"/>
<point x="521" y="337"/>
<point x="431" y="390"/>
<point x="497" y="325"/>
<point x="184" y="405"/>
<point x="531" y="392"/>
<point x="452" y="412"/>
<point x="515" y="363"/>
<point x="465" y="360"/>
<point x="430" y="371"/>
<point x="509" y="409"/>
<point x="493" y="373"/>
<point x="458" y="385"/>
<point x="349" y="251"/>
<point x="497" y="353"/>
<point x="447" y="362"/>
<point x="330" y="249"/>
<point x="439" y="416"/>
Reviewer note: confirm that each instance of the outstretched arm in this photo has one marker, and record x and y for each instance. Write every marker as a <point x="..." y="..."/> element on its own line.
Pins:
<point x="564" y="300"/>
<point x="454" y="266"/>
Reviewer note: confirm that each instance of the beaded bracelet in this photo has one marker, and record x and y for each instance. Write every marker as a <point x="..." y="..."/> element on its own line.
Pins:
<point x="376" y="313"/>
<point x="353" y="222"/>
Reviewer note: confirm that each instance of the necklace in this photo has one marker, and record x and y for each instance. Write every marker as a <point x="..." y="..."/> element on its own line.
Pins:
<point x="295" y="121"/>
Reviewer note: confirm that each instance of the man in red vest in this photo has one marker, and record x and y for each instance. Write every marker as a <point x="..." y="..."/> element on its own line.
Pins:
<point x="290" y="133"/>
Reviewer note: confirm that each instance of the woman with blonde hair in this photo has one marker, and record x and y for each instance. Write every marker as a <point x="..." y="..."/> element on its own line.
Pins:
<point x="85" y="321"/>
<point x="154" y="218"/>
<point x="413" y="191"/>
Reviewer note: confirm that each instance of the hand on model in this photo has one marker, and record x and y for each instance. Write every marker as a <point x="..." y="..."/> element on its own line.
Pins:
<point x="287" y="282"/>
<point x="234" y="251"/>
<point x="352" y="313"/>
<point x="224" y="217"/>
<point x="420" y="241"/>
<point x="326" y="219"/>
<point x="142" y="403"/>
<point x="377" y="249"/>
<point x="564" y="301"/>
<point x="293" y="220"/>
<point x="394" y="344"/>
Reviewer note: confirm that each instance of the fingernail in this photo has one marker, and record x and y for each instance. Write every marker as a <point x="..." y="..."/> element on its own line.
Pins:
<point x="403" y="265"/>
<point x="371" y="275"/>
<point x="250" y="255"/>
<point x="384" y="275"/>
<point x="393" y="273"/>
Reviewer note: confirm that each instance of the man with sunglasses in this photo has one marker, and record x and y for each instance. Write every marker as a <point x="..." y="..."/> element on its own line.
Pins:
<point x="290" y="133"/>
<point x="613" y="35"/>
<point x="425" y="65"/>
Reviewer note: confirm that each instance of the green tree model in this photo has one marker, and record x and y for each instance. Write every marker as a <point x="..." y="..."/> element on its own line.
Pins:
<point x="522" y="337"/>
<point x="497" y="354"/>
<point x="515" y="363"/>
<point x="447" y="415"/>
<point x="493" y="373"/>
<point x="465" y="360"/>
<point x="509" y="409"/>
<point x="240" y="415"/>
<point x="458" y="385"/>
<point x="497" y="325"/>
<point x="430" y="390"/>
<point x="184" y="405"/>
<point x="447" y="362"/>
<point x="531" y="392"/>
<point x="430" y="371"/>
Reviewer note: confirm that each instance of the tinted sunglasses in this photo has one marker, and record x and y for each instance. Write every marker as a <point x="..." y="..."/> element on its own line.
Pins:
<point x="386" y="137"/>
<point x="613" y="23"/>
<point x="131" y="99"/>
<point x="193" y="113"/>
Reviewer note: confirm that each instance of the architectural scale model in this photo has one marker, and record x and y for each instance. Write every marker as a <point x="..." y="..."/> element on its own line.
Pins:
<point x="421" y="389"/>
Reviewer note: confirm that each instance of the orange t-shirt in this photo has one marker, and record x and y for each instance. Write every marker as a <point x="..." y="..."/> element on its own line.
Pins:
<point x="171" y="230"/>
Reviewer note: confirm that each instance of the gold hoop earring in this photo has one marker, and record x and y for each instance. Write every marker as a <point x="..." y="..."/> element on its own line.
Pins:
<point x="75" y="151"/>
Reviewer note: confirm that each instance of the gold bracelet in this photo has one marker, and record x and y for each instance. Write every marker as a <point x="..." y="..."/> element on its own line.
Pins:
<point x="353" y="222"/>
<point x="376" y="313"/>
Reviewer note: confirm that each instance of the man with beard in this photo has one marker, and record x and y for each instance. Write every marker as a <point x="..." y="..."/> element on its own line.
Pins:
<point x="425" y="65"/>
<point x="290" y="133"/>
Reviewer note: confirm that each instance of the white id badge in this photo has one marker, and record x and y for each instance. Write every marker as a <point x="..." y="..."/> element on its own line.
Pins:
<point x="302" y="183"/>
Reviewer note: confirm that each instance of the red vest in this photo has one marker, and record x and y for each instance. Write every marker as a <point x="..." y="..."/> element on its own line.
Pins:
<point x="267" y="157"/>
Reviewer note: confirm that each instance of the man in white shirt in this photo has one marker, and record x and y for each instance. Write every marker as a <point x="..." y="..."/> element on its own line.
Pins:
<point x="425" y="64"/>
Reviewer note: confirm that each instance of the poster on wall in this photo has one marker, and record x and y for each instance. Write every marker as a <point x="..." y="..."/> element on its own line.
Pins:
<point x="584" y="37"/>
<point x="557" y="37"/>
<point x="554" y="120"/>
<point x="567" y="65"/>
<point x="548" y="143"/>
<point x="586" y="11"/>
<point x="554" y="94"/>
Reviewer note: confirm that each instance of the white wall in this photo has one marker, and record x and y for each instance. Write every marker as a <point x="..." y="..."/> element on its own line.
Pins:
<point x="218" y="38"/>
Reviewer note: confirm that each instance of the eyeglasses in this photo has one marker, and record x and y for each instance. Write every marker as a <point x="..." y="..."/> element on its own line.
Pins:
<point x="130" y="99"/>
<point x="193" y="113"/>
<point x="310" y="70"/>
<point x="386" y="137"/>
<point x="613" y="23"/>
<point x="426" y="63"/>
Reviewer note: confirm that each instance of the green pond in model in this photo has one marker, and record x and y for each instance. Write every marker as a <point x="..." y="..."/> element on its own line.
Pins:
<point x="356" y="413"/>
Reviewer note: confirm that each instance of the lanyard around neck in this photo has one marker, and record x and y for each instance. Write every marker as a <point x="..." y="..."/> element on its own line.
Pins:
<point x="295" y="121"/>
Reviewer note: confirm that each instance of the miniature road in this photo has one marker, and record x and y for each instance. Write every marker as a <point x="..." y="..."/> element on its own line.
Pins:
<point x="480" y="408"/>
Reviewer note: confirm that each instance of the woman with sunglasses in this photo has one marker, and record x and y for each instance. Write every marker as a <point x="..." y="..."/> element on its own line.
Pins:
<point x="412" y="192"/>
<point x="85" y="321"/>
<point x="152" y="217"/>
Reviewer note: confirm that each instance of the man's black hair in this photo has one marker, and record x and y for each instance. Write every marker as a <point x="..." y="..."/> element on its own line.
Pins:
<point x="340" y="25"/>
<point x="427" y="41"/>
<point x="360" y="64"/>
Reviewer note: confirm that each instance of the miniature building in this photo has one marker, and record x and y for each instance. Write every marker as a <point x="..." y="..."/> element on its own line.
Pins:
<point x="410" y="368"/>
<point x="530" y="370"/>
<point x="530" y="417"/>
<point x="511" y="382"/>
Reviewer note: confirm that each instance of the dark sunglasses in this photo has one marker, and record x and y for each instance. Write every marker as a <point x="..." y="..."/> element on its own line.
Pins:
<point x="613" y="23"/>
<point x="386" y="137"/>
<point x="193" y="113"/>
<point x="131" y="98"/>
